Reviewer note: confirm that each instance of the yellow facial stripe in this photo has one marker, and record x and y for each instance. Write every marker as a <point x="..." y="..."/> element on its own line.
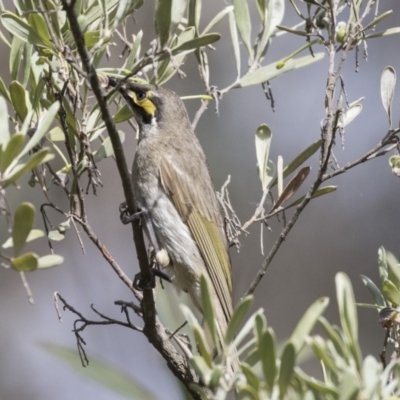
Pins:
<point x="146" y="103"/>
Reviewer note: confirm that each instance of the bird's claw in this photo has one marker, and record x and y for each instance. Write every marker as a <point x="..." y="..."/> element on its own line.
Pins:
<point x="125" y="216"/>
<point x="140" y="284"/>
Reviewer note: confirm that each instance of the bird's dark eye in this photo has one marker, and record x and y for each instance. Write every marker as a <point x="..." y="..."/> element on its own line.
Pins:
<point x="140" y="95"/>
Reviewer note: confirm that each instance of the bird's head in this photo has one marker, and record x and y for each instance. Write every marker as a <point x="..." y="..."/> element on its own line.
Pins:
<point x="152" y="106"/>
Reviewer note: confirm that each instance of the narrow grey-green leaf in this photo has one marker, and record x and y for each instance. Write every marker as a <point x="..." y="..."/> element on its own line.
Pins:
<point x="50" y="261"/>
<point x="101" y="372"/>
<point x="237" y="318"/>
<point x="217" y="18"/>
<point x="197" y="42"/>
<point x="319" y="192"/>
<point x="382" y="264"/>
<point x="374" y="290"/>
<point x="307" y="323"/>
<point x="386" y="32"/>
<point x="388" y="82"/>
<point x="4" y="91"/>
<point x="267" y="349"/>
<point x="208" y="310"/>
<point x="286" y="369"/>
<point x="18" y="27"/>
<point x="391" y="292"/>
<point x="299" y="160"/>
<point x="130" y="61"/>
<point x="42" y="128"/>
<point x="378" y="19"/>
<point x="177" y="11"/>
<point x="106" y="149"/>
<point x="12" y="150"/>
<point x="194" y="14"/>
<point x="292" y="187"/>
<point x="263" y="143"/>
<point x="251" y="377"/>
<point x="5" y="129"/>
<point x="327" y="390"/>
<point x="348" y="314"/>
<point x="33" y="235"/>
<point x="26" y="263"/>
<point x="43" y="155"/>
<point x="202" y="345"/>
<point x="235" y="42"/>
<point x="22" y="225"/>
<point x="18" y="99"/>
<point x="271" y="71"/>
<point x="37" y="22"/>
<point x="17" y="47"/>
<point x="243" y="22"/>
<point x="163" y="21"/>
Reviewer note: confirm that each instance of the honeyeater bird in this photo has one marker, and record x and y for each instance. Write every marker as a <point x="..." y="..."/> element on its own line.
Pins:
<point x="172" y="184"/>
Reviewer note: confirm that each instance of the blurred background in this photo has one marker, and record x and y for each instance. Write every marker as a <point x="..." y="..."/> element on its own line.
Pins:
<point x="338" y="232"/>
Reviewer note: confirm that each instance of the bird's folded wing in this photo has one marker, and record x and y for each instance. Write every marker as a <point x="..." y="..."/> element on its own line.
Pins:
<point x="204" y="227"/>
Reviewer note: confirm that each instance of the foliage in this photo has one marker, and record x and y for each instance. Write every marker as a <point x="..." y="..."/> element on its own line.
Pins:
<point x="62" y="136"/>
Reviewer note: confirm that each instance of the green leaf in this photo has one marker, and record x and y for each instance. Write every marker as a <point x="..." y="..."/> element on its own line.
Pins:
<point x="300" y="159"/>
<point x="326" y="390"/>
<point x="202" y="345"/>
<point x="267" y="350"/>
<point x="237" y="318"/>
<point x="197" y="42"/>
<point x="37" y="22"/>
<point x="4" y="91"/>
<point x="17" y="47"/>
<point x="194" y="14"/>
<point x="26" y="263"/>
<point x="251" y="377"/>
<point x="271" y="71"/>
<point x="130" y="61"/>
<point x="388" y="83"/>
<point x="263" y="144"/>
<point x="335" y="336"/>
<point x="374" y="290"/>
<point x="18" y="27"/>
<point x="319" y="192"/>
<point x="163" y="21"/>
<point x="101" y="372"/>
<point x="348" y="314"/>
<point x="106" y="149"/>
<point x="5" y="129"/>
<point x="307" y="323"/>
<point x="208" y="309"/>
<point x="49" y="261"/>
<point x="33" y="235"/>
<point x="235" y="42"/>
<point x="23" y="222"/>
<point x="169" y="67"/>
<point x="243" y="22"/>
<point x="42" y="128"/>
<point x="286" y="369"/>
<point x="19" y="99"/>
<point x="43" y="155"/>
<point x="378" y="19"/>
<point x="382" y="264"/>
<point x="391" y="292"/>
<point x="12" y="150"/>
<point x="217" y="18"/>
<point x="386" y="32"/>
<point x="177" y="12"/>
